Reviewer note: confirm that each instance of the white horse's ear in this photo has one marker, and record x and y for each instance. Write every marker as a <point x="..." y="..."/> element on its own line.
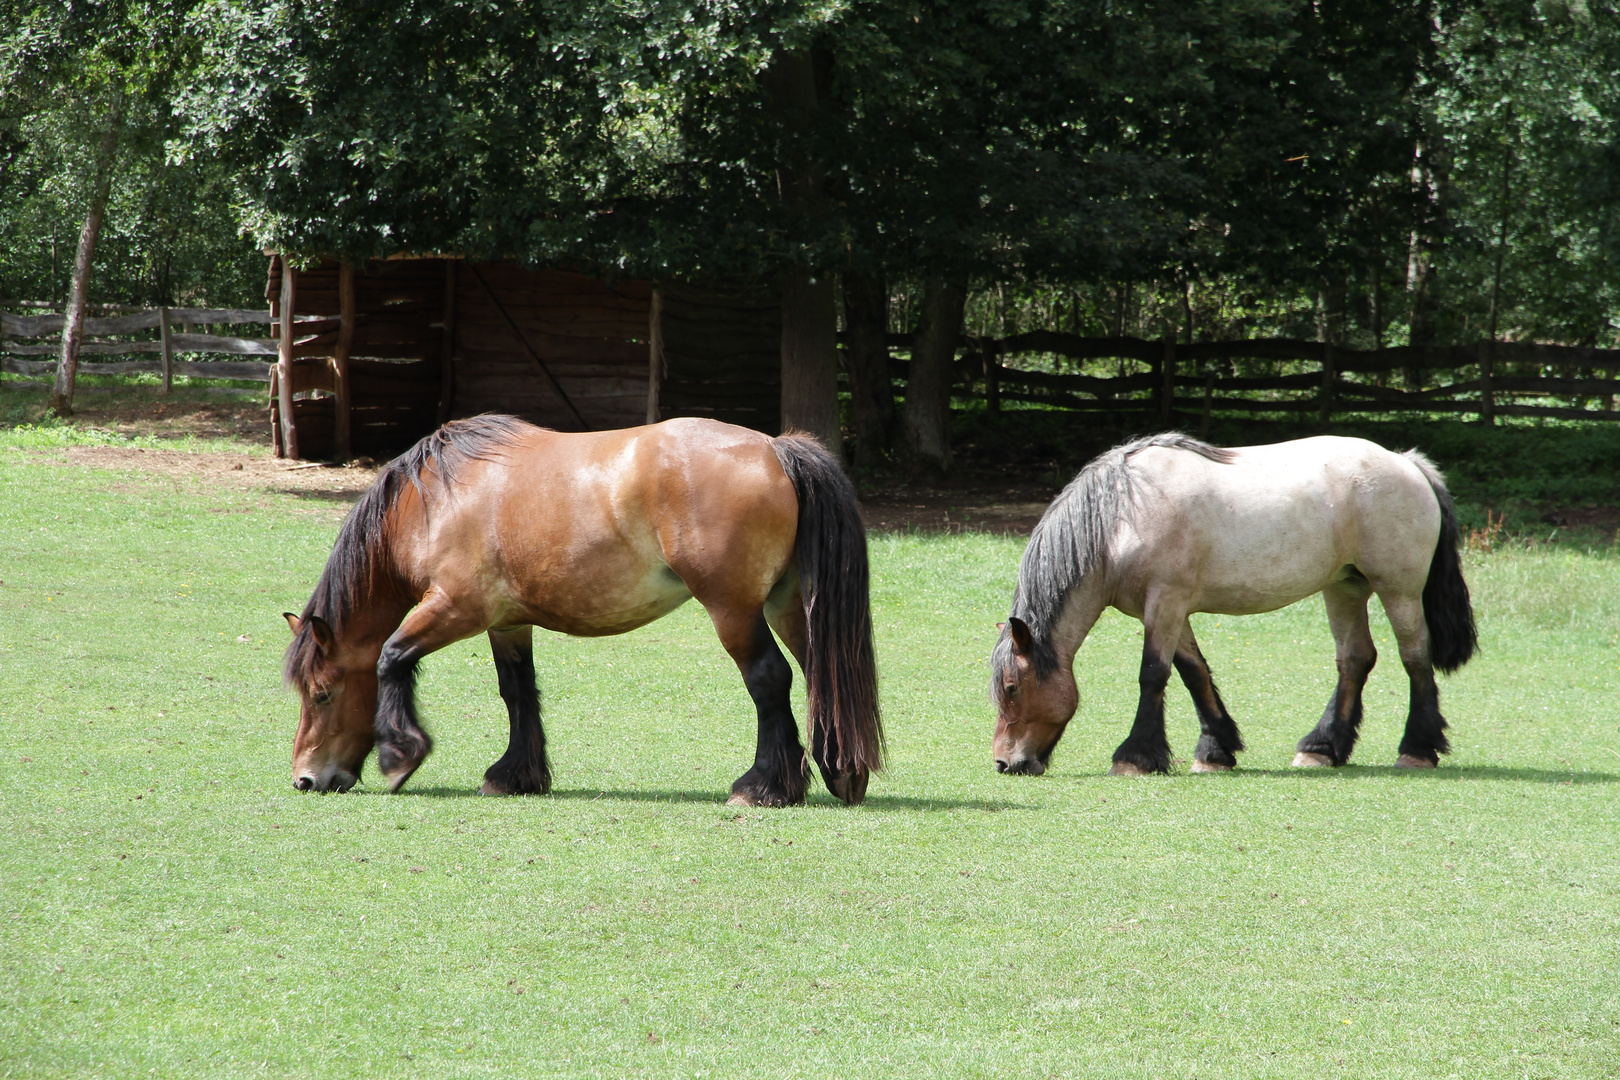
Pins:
<point x="1023" y="641"/>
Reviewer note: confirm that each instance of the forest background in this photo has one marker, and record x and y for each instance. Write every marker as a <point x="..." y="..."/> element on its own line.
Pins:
<point x="1371" y="174"/>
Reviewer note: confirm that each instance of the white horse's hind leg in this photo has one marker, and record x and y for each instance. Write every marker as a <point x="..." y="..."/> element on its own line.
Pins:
<point x="1334" y="736"/>
<point x="1219" y="742"/>
<point x="1425" y="737"/>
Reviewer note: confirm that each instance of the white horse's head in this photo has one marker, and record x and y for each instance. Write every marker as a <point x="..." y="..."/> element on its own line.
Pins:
<point x="1031" y="710"/>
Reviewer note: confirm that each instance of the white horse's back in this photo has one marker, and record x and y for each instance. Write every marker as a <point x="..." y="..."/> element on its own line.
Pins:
<point x="1275" y="524"/>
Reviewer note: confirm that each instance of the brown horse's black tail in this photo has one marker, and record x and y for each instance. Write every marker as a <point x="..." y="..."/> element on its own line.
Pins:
<point x="1447" y="609"/>
<point x="840" y="670"/>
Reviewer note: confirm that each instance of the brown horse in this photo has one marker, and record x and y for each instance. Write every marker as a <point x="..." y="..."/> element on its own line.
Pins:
<point x="493" y="525"/>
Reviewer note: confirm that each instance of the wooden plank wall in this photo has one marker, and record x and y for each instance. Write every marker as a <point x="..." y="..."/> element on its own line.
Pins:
<point x="722" y="349"/>
<point x="723" y="355"/>
<point x="395" y="361"/>
<point x="591" y="334"/>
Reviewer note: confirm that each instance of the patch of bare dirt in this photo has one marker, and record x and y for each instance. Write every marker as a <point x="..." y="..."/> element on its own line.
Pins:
<point x="243" y="471"/>
<point x="954" y="510"/>
<point x="246" y="418"/>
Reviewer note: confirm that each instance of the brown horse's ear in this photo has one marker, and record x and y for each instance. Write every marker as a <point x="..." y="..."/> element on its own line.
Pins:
<point x="322" y="632"/>
<point x="293" y="621"/>
<point x="1023" y="640"/>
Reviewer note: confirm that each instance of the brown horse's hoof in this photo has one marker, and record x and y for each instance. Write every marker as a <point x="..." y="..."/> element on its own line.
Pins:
<point x="850" y="787"/>
<point x="1125" y="768"/>
<point x="397" y="778"/>
<point x="770" y="802"/>
<point x="1209" y="766"/>
<point x="1412" y="761"/>
<point x="1307" y="760"/>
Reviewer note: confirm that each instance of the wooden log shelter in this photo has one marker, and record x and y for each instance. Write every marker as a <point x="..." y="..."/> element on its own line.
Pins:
<point x="373" y="357"/>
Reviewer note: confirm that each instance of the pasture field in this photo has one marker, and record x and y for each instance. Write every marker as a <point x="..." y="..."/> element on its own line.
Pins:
<point x="170" y="906"/>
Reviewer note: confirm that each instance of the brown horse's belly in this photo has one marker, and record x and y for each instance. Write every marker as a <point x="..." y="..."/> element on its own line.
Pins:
<point x="600" y="613"/>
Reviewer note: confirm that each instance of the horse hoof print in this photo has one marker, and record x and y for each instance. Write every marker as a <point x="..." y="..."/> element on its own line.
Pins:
<point x="1303" y="760"/>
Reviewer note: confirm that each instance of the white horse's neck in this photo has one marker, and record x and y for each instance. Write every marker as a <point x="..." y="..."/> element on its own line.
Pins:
<point x="1081" y="609"/>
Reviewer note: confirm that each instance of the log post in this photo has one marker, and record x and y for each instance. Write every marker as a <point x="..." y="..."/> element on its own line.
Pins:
<point x="1487" y="388"/>
<point x="447" y="363"/>
<point x="284" y="359"/>
<point x="655" y="351"/>
<point x="168" y="350"/>
<point x="342" y="431"/>
<point x="1325" y="401"/>
<point x="992" y="376"/>
<point x="1167" y="379"/>
<point x="1209" y="399"/>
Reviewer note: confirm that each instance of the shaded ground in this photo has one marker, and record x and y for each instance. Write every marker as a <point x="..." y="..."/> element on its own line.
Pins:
<point x="1008" y="467"/>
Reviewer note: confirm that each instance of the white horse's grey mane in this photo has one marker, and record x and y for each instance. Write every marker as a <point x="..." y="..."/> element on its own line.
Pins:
<point x="1072" y="539"/>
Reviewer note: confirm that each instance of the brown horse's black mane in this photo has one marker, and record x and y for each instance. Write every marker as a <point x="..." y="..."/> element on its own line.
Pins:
<point x="1072" y="538"/>
<point x="363" y="541"/>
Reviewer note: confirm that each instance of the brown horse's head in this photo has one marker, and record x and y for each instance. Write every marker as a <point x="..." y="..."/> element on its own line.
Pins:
<point x="338" y="690"/>
<point x="1031" y="709"/>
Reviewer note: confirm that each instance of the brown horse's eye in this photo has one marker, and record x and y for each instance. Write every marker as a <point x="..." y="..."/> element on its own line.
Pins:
<point x="1012" y="688"/>
<point x="321" y="697"/>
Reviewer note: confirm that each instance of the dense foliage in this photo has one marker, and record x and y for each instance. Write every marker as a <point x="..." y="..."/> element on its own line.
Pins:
<point x="1373" y="171"/>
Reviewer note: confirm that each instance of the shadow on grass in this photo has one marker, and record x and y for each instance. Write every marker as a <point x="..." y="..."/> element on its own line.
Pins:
<point x="1458" y="772"/>
<point x="718" y="798"/>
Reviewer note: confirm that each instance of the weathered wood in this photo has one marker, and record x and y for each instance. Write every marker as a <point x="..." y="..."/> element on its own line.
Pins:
<point x="656" y="367"/>
<point x="447" y="355"/>
<point x="288" y="300"/>
<point x="1167" y="377"/>
<point x="216" y="369"/>
<point x="343" y="389"/>
<point x="527" y="348"/>
<point x="168" y="350"/>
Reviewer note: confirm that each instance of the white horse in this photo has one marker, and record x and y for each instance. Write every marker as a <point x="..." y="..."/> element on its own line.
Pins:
<point x="1166" y="526"/>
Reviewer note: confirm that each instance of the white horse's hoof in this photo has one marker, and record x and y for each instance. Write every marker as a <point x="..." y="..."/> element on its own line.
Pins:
<point x="1307" y="760"/>
<point x="1209" y="766"/>
<point x="1125" y="768"/>
<point x="1409" y="761"/>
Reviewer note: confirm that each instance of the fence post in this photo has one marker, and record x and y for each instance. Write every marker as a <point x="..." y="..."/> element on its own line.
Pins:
<point x="655" y="352"/>
<point x="992" y="376"/>
<point x="342" y="432"/>
<point x="1487" y="391"/>
<point x="1209" y="398"/>
<point x="284" y="360"/>
<point x="168" y="350"/>
<point x="1167" y="379"/>
<point x="1326" y="401"/>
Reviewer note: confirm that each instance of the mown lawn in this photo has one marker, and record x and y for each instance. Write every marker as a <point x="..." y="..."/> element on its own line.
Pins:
<point x="172" y="907"/>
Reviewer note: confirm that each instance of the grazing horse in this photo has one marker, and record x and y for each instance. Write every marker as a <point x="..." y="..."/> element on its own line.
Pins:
<point x="492" y="525"/>
<point x="1166" y="526"/>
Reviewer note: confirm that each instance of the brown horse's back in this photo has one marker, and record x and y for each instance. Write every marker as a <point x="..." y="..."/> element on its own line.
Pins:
<point x="601" y="532"/>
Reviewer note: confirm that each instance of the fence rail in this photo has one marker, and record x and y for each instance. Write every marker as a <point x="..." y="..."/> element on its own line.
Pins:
<point x="166" y="345"/>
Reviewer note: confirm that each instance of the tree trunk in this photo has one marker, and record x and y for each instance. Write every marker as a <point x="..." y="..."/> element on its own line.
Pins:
<point x="927" y="416"/>
<point x="866" y="319"/>
<point x="61" y="401"/>
<point x="809" y="305"/>
<point x="1431" y="179"/>
<point x="810" y="358"/>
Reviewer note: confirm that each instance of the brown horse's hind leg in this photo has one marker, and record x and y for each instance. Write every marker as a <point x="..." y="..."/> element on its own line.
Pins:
<point x="523" y="769"/>
<point x="432" y="624"/>
<point x="1219" y="741"/>
<point x="779" y="773"/>
<point x="1334" y="736"/>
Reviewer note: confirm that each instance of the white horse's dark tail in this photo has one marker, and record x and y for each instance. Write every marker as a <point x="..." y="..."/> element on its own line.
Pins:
<point x="1453" y="638"/>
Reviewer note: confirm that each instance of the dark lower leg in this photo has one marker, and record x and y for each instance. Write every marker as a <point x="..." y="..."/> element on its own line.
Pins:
<point x="779" y="774"/>
<point x="523" y="769"/>
<point x="1425" y="738"/>
<point x="1146" y="749"/>
<point x="401" y="743"/>
<point x="1218" y="741"/>
<point x="1334" y="736"/>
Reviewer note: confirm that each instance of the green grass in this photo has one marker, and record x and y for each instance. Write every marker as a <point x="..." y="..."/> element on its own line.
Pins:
<point x="172" y="907"/>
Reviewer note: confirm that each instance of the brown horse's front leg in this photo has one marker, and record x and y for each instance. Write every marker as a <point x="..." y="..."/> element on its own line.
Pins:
<point x="402" y="745"/>
<point x="779" y="773"/>
<point x="523" y="769"/>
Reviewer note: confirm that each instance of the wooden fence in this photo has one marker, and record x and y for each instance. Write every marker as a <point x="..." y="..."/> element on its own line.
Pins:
<point x="20" y="336"/>
<point x="1488" y="379"/>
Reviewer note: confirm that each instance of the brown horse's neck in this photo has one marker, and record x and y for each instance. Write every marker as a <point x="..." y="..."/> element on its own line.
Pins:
<point x="1080" y="611"/>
